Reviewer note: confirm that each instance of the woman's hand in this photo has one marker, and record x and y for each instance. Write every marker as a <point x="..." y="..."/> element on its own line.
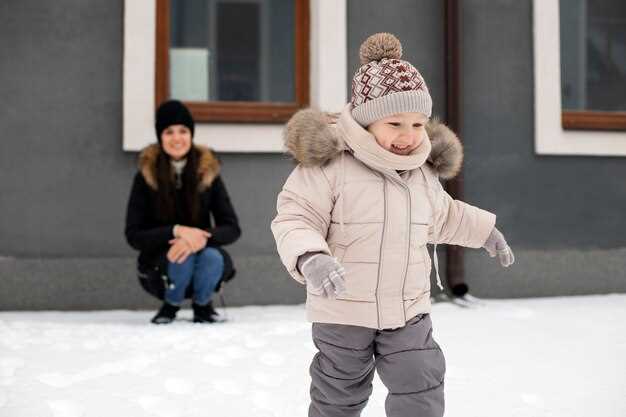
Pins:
<point x="196" y="238"/>
<point x="179" y="251"/>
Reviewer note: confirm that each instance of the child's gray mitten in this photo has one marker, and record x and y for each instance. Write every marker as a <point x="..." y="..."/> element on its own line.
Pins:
<point x="323" y="274"/>
<point x="496" y="245"/>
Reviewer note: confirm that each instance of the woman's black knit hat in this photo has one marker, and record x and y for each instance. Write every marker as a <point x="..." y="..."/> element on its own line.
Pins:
<point x="172" y="112"/>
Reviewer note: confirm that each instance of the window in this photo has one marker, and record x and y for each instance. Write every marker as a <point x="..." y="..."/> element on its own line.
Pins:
<point x="593" y="64"/>
<point x="551" y="137"/>
<point x="234" y="60"/>
<point x="328" y="81"/>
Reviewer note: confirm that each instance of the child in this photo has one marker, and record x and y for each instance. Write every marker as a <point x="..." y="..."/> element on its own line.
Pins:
<point x="354" y="218"/>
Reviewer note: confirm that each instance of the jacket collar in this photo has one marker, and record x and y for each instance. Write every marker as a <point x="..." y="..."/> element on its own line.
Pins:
<point x="313" y="138"/>
<point x="208" y="166"/>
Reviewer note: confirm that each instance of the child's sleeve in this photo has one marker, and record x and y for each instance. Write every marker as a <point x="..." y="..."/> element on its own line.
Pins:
<point x="304" y="210"/>
<point x="459" y="223"/>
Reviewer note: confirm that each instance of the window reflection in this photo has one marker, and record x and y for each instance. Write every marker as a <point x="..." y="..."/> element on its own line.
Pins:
<point x="593" y="54"/>
<point x="232" y="50"/>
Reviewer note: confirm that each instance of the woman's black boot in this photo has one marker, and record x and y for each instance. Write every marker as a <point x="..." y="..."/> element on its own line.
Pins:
<point x="166" y="314"/>
<point x="204" y="314"/>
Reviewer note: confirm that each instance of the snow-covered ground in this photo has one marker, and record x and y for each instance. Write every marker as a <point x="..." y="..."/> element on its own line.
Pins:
<point x="535" y="357"/>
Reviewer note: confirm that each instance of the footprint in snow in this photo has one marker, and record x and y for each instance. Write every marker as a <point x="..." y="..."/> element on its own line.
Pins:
<point x="264" y="401"/>
<point x="519" y="314"/>
<point x="234" y="352"/>
<point x="269" y="380"/>
<point x="227" y="387"/>
<point x="160" y="407"/>
<point x="532" y="399"/>
<point x="8" y="366"/>
<point x="272" y="359"/>
<point x="92" y="345"/>
<point x="56" y="380"/>
<point x="216" y="360"/>
<point x="64" y="408"/>
<point x="254" y="342"/>
<point x="179" y="386"/>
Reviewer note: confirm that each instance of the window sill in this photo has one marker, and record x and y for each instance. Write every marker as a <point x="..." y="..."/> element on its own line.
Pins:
<point x="593" y="120"/>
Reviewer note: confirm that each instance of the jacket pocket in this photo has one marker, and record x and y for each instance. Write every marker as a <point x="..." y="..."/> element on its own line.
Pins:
<point x="338" y="251"/>
<point x="417" y="281"/>
<point x="418" y="239"/>
<point x="360" y="281"/>
<point x="360" y="277"/>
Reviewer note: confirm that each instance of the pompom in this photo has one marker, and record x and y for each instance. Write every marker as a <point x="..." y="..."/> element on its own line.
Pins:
<point x="379" y="46"/>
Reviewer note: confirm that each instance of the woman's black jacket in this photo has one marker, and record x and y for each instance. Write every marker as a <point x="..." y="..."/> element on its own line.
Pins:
<point x="150" y="236"/>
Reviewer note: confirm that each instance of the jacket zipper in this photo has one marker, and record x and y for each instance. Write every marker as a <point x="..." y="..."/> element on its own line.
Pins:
<point x="408" y="250"/>
<point x="380" y="257"/>
<point x="406" y="264"/>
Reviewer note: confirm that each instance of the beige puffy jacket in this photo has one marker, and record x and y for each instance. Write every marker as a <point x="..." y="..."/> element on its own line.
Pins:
<point x="343" y="199"/>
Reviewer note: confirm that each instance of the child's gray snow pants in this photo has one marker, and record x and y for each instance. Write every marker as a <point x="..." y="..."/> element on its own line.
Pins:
<point x="408" y="360"/>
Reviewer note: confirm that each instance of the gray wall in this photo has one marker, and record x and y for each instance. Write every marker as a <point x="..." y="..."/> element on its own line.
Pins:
<point x="418" y="25"/>
<point x="65" y="179"/>
<point x="563" y="215"/>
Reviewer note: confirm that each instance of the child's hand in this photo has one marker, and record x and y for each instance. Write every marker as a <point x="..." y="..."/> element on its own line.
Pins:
<point x="323" y="274"/>
<point x="496" y="245"/>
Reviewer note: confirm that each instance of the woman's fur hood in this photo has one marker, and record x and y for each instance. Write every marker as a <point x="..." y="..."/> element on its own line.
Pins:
<point x="208" y="165"/>
<point x="312" y="140"/>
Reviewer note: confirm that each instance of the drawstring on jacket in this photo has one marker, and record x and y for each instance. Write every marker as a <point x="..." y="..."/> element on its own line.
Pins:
<point x="437" y="267"/>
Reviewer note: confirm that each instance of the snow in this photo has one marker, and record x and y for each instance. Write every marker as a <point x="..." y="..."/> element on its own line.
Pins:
<point x="532" y="357"/>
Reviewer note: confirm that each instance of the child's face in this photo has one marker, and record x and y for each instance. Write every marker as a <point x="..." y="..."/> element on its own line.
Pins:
<point x="400" y="133"/>
<point x="176" y="141"/>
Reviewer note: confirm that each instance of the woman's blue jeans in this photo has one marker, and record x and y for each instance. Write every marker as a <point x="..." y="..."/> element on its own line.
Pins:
<point x="202" y="269"/>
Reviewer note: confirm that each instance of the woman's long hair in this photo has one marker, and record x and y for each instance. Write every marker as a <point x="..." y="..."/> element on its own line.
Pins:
<point x="166" y="181"/>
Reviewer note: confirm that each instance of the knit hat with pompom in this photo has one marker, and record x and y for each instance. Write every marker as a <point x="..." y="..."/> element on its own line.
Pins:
<point x="385" y="84"/>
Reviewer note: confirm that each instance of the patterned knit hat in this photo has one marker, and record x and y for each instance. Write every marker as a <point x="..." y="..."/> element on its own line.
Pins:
<point x="385" y="84"/>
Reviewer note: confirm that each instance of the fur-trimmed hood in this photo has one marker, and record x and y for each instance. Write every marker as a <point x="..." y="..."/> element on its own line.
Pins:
<point x="311" y="138"/>
<point x="208" y="165"/>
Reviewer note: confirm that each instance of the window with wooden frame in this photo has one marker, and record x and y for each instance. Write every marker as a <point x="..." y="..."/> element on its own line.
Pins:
<point x="234" y="60"/>
<point x="593" y="64"/>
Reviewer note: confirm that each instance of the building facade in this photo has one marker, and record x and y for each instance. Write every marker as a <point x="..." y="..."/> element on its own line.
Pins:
<point x="75" y="110"/>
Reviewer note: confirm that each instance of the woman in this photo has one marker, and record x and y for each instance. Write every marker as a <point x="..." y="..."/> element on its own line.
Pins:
<point x="176" y="191"/>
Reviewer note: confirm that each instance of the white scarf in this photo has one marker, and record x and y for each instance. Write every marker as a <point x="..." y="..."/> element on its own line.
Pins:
<point x="366" y="149"/>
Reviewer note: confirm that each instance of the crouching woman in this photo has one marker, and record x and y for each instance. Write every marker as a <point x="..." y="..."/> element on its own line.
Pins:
<point x="168" y="220"/>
